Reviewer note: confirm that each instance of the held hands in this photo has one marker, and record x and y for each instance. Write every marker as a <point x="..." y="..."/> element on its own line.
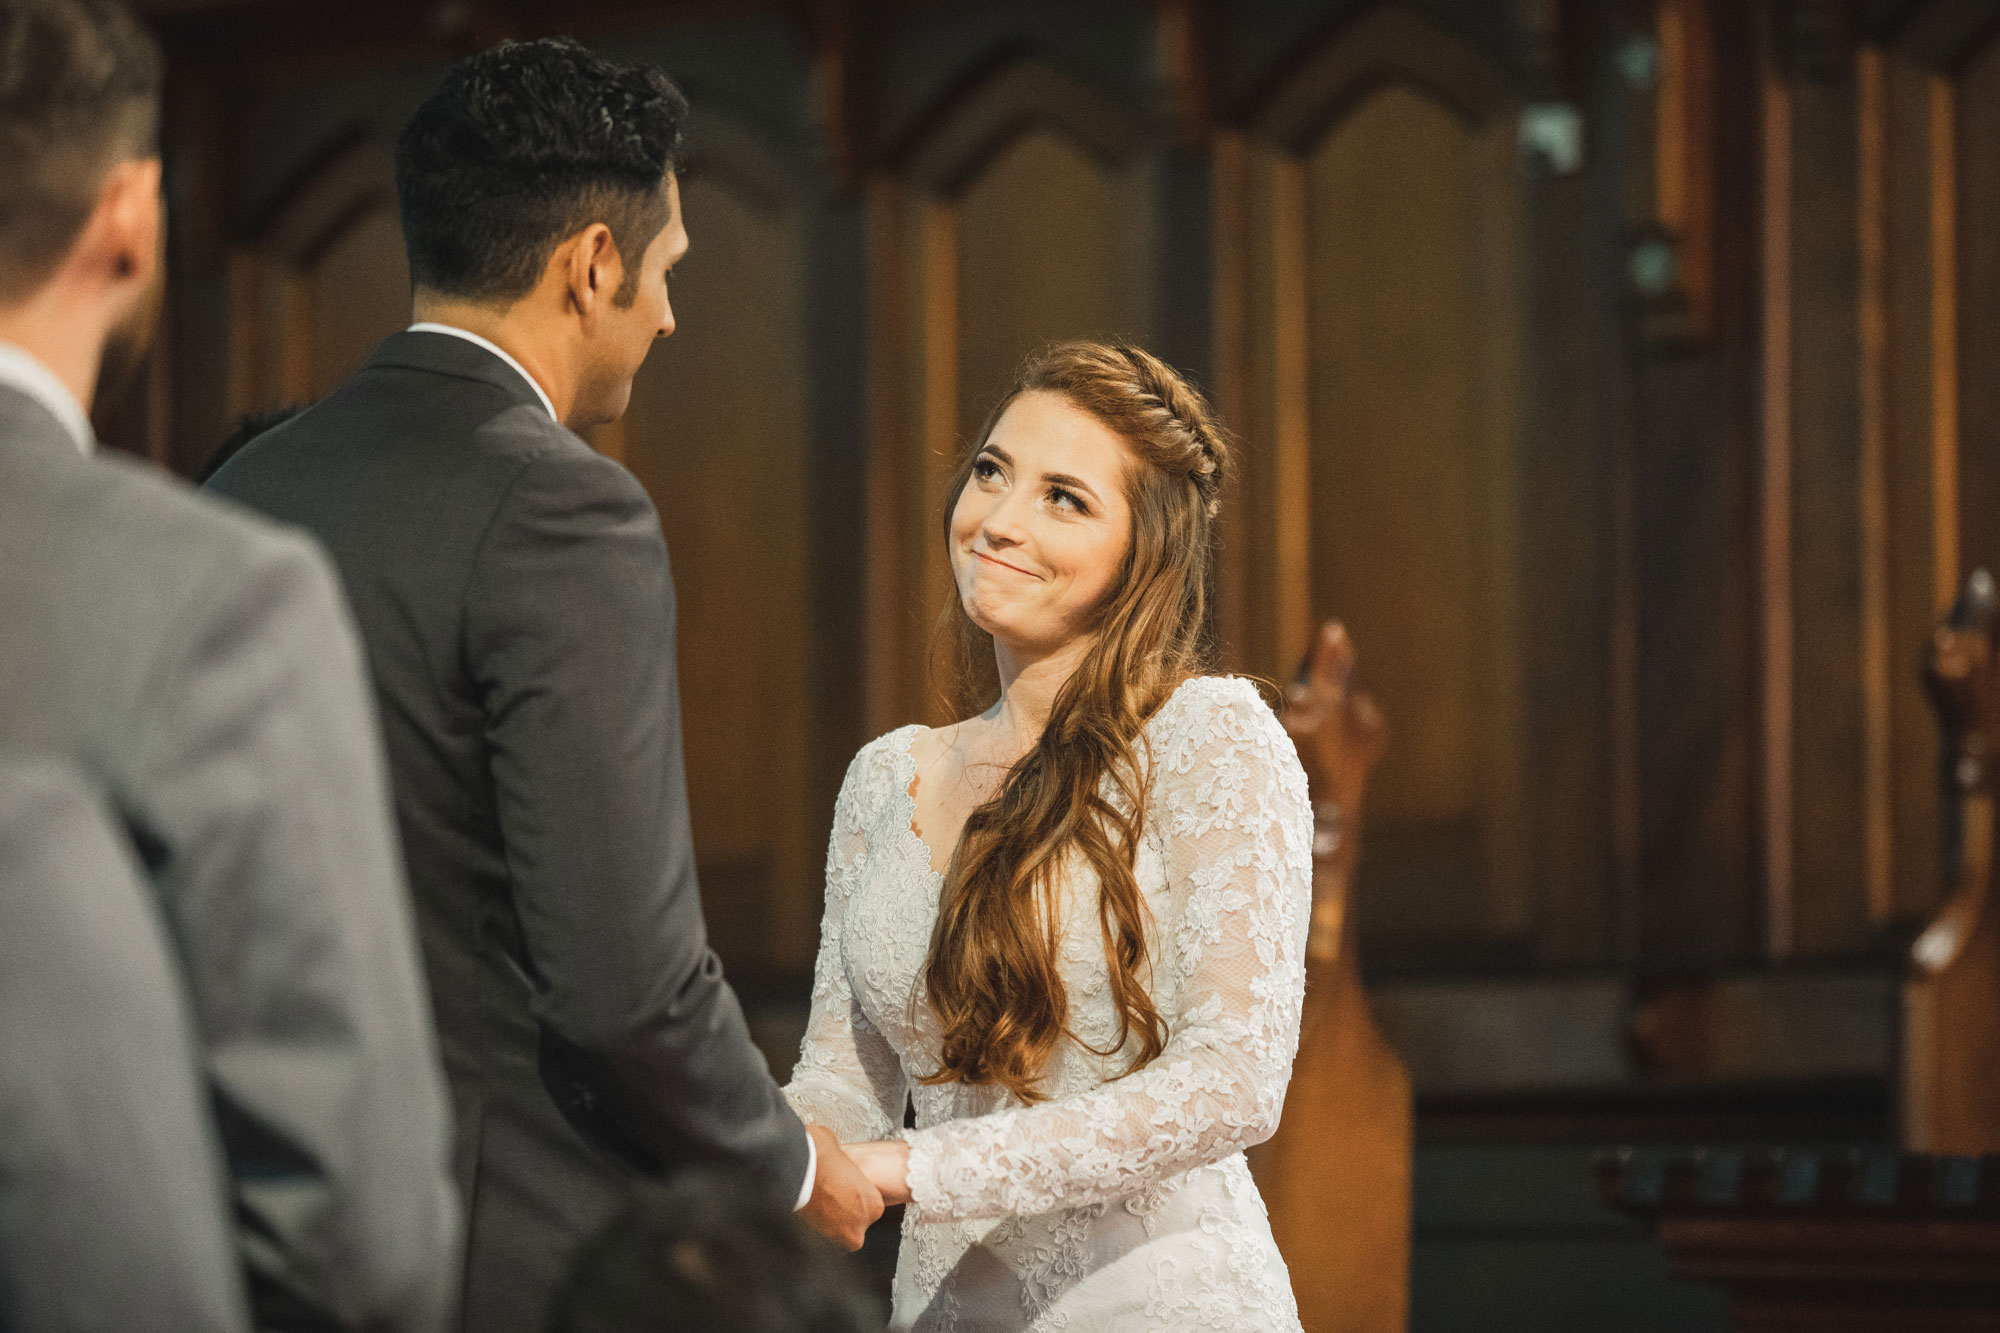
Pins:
<point x="886" y="1163"/>
<point x="844" y="1200"/>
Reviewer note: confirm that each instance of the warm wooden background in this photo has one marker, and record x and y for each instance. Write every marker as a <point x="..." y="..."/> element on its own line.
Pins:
<point x="1640" y="484"/>
<point x="1637" y="575"/>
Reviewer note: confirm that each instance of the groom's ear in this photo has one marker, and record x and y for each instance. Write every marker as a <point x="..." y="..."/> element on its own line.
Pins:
<point x="592" y="269"/>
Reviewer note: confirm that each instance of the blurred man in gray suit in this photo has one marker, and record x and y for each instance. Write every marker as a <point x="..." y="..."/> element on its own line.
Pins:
<point x="112" y="1208"/>
<point x="513" y="590"/>
<point x="198" y="665"/>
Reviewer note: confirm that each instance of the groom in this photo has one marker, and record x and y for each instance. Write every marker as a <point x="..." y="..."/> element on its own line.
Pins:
<point x="513" y="590"/>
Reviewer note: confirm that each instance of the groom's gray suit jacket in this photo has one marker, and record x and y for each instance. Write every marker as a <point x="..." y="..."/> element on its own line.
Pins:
<point x="197" y="664"/>
<point x="513" y="592"/>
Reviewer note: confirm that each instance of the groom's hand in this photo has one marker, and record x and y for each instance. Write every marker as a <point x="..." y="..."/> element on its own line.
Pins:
<point x="843" y="1203"/>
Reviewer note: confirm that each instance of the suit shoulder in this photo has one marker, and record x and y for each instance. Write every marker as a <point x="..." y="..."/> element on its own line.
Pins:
<point x="555" y="470"/>
<point x="153" y="508"/>
<point x="165" y="532"/>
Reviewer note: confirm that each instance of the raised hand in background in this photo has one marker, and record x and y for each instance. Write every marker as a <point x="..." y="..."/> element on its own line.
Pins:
<point x="1340" y="736"/>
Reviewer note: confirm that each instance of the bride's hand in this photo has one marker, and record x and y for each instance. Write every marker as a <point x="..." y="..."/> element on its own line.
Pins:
<point x="886" y="1163"/>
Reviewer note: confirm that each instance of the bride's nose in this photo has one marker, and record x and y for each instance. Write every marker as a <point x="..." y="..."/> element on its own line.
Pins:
<point x="1002" y="525"/>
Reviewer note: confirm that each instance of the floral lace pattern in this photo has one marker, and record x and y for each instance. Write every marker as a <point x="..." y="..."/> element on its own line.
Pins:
<point x="1118" y="1203"/>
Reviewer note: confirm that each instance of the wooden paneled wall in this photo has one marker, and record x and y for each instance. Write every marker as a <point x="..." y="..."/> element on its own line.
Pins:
<point x="1377" y="345"/>
<point x="1639" y="566"/>
<point x="1880" y="307"/>
<point x="318" y="283"/>
<point x="717" y="432"/>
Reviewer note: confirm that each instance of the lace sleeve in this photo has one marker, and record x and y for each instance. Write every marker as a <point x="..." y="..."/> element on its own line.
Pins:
<point x="1231" y="802"/>
<point x="848" y="1078"/>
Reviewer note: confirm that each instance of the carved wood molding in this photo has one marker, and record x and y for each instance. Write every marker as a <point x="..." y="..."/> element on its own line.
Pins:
<point x="1943" y="34"/>
<point x="1005" y="100"/>
<point x="354" y="176"/>
<point x="1384" y="46"/>
<point x="1951" y="1023"/>
<point x="270" y="326"/>
<point x="719" y="146"/>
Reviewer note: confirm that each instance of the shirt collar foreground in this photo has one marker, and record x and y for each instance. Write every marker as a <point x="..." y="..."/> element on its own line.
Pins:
<point x="18" y="370"/>
<point x="427" y="326"/>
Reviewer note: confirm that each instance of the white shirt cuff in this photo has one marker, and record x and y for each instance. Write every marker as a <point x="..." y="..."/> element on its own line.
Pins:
<point x="812" y="1174"/>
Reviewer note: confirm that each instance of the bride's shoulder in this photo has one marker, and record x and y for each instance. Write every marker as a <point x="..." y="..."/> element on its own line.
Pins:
<point x="880" y="759"/>
<point x="1201" y="704"/>
<point x="1210" y="717"/>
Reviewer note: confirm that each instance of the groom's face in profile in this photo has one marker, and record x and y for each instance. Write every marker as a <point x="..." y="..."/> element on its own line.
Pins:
<point x="627" y="333"/>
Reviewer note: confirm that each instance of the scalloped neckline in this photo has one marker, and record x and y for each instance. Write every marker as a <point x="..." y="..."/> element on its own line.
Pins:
<point x="906" y="826"/>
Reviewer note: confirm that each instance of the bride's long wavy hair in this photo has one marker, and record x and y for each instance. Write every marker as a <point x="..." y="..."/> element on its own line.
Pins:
<point x="992" y="976"/>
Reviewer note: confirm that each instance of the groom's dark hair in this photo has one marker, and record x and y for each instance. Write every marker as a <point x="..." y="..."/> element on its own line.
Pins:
<point x="527" y="144"/>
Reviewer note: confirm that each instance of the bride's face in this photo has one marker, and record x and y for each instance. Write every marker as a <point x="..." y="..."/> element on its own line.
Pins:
<point x="1042" y="524"/>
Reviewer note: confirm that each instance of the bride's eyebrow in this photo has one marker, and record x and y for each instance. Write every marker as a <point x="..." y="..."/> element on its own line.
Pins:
<point x="1052" y="478"/>
<point x="1072" y="483"/>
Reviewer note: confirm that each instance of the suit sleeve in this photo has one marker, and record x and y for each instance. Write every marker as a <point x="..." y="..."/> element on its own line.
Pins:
<point x="257" y="786"/>
<point x="570" y="639"/>
<point x="112" y="1212"/>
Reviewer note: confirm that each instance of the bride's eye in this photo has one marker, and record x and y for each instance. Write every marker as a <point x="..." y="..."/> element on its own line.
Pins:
<point x="1067" y="500"/>
<point x="985" y="469"/>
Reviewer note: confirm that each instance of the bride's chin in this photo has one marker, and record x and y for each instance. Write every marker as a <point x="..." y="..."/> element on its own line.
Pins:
<point x="985" y="616"/>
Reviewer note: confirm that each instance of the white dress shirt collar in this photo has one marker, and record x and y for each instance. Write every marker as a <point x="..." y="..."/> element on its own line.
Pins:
<point x="426" y="326"/>
<point x="18" y="370"/>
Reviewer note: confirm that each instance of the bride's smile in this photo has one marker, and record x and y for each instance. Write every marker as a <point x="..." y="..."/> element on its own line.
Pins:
<point x="1041" y="527"/>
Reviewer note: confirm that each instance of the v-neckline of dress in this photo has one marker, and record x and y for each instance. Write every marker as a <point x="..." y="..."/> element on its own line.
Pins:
<point x="906" y="792"/>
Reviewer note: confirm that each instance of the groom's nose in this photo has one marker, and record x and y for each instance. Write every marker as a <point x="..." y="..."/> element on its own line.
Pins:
<point x="666" y="319"/>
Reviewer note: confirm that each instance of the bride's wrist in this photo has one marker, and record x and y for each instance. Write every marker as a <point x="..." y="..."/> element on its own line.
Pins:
<point x="886" y="1163"/>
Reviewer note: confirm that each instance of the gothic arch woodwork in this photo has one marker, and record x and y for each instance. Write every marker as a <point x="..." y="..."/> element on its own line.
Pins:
<point x="1943" y="34"/>
<point x="1005" y="100"/>
<point x="1368" y="348"/>
<point x="1020" y="214"/>
<point x="320" y="281"/>
<point x="1361" y="56"/>
<point x="356" y="175"/>
<point x="718" y="145"/>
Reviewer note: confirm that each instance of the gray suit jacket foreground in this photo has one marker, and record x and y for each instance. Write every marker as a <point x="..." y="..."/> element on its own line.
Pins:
<point x="197" y="664"/>
<point x="112" y="1207"/>
<point x="513" y="592"/>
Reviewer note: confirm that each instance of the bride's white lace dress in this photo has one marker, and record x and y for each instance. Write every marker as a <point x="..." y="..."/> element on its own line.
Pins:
<point x="1119" y="1203"/>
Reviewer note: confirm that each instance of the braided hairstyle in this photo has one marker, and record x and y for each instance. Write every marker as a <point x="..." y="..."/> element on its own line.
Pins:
<point x="1077" y="798"/>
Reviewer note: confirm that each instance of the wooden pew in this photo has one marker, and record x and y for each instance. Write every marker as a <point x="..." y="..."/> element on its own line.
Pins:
<point x="1877" y="1240"/>
<point x="1807" y="1240"/>
<point x="1950" y="1079"/>
<point x="1336" y="1176"/>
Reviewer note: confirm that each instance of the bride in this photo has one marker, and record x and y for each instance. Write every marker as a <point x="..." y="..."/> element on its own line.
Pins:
<point x="1071" y="928"/>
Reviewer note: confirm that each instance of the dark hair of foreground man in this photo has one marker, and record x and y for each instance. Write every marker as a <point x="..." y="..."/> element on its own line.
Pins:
<point x="707" y="1252"/>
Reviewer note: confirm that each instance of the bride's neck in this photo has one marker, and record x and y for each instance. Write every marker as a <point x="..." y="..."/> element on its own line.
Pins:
<point x="1029" y="684"/>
